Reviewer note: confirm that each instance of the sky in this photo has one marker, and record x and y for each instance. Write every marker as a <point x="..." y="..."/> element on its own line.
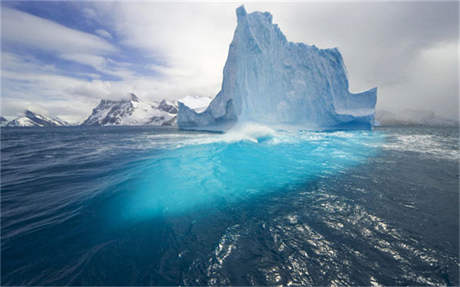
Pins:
<point x="61" y="58"/>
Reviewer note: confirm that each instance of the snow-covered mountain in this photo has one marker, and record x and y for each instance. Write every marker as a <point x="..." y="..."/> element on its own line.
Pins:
<point x="168" y="106"/>
<point x="132" y="112"/>
<point x="271" y="81"/>
<point x="3" y="121"/>
<point x="31" y="119"/>
<point x="412" y="117"/>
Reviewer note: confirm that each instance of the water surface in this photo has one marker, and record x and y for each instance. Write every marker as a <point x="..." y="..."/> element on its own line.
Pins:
<point x="149" y="206"/>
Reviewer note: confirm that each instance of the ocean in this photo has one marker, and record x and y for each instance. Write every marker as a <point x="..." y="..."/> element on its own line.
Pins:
<point x="158" y="206"/>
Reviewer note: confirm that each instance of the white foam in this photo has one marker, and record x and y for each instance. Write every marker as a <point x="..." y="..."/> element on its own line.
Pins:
<point x="425" y="144"/>
<point x="249" y="132"/>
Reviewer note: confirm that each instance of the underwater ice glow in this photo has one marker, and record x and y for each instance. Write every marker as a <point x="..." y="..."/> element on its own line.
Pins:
<point x="238" y="166"/>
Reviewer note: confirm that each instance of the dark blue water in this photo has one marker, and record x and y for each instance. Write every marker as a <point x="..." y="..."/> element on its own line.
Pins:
<point x="146" y="206"/>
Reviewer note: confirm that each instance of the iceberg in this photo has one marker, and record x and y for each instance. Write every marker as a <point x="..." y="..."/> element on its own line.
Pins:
<point x="271" y="81"/>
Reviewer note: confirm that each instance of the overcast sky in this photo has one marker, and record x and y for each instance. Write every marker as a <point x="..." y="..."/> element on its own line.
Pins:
<point x="61" y="58"/>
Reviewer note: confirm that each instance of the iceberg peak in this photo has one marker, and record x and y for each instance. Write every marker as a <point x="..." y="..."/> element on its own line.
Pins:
<point x="240" y="12"/>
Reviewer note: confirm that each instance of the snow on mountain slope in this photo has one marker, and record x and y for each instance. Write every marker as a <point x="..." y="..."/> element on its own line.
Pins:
<point x="167" y="106"/>
<point x="31" y="119"/>
<point x="131" y="112"/>
<point x="22" y="122"/>
<point x="272" y="81"/>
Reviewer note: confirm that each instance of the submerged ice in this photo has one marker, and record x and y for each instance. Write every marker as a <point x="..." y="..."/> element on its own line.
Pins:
<point x="271" y="81"/>
<point x="199" y="170"/>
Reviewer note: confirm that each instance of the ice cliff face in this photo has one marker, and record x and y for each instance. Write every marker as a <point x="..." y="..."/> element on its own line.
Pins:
<point x="31" y="119"/>
<point x="132" y="112"/>
<point x="272" y="81"/>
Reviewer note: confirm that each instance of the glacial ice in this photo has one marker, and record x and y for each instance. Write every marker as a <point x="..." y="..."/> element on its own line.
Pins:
<point x="271" y="81"/>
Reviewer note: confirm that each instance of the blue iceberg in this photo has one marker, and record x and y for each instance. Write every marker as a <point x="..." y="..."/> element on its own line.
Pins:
<point x="271" y="81"/>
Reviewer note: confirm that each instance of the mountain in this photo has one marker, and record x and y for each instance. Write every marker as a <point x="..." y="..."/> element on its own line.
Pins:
<point x="412" y="117"/>
<point x="132" y="112"/>
<point x="31" y="119"/>
<point x="271" y="81"/>
<point x="167" y="106"/>
<point x="3" y="121"/>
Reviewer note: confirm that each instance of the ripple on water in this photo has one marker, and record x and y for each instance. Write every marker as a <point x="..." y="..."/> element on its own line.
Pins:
<point x="257" y="207"/>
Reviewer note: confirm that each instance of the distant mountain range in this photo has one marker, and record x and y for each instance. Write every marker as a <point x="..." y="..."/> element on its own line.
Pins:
<point x="131" y="111"/>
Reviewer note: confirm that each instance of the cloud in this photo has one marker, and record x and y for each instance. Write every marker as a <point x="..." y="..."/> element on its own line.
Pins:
<point x="29" y="80"/>
<point x="94" y="61"/>
<point x="103" y="33"/>
<point x="27" y="83"/>
<point x="102" y="64"/>
<point x="24" y="29"/>
<point x="23" y="63"/>
<point x="433" y="81"/>
<point x="188" y="42"/>
<point x="89" y="13"/>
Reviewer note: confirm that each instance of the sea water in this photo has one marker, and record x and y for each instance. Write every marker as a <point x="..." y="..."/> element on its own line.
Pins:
<point x="158" y="206"/>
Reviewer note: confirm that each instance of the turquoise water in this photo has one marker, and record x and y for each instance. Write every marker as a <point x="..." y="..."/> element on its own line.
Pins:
<point x="255" y="206"/>
<point x="238" y="166"/>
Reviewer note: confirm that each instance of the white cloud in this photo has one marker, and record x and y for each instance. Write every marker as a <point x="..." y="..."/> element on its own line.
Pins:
<point x="189" y="40"/>
<point x="31" y="31"/>
<point x="101" y="64"/>
<point x="27" y="83"/>
<point x="90" y="13"/>
<point x="94" y="61"/>
<point x="24" y="63"/>
<point x="103" y="33"/>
